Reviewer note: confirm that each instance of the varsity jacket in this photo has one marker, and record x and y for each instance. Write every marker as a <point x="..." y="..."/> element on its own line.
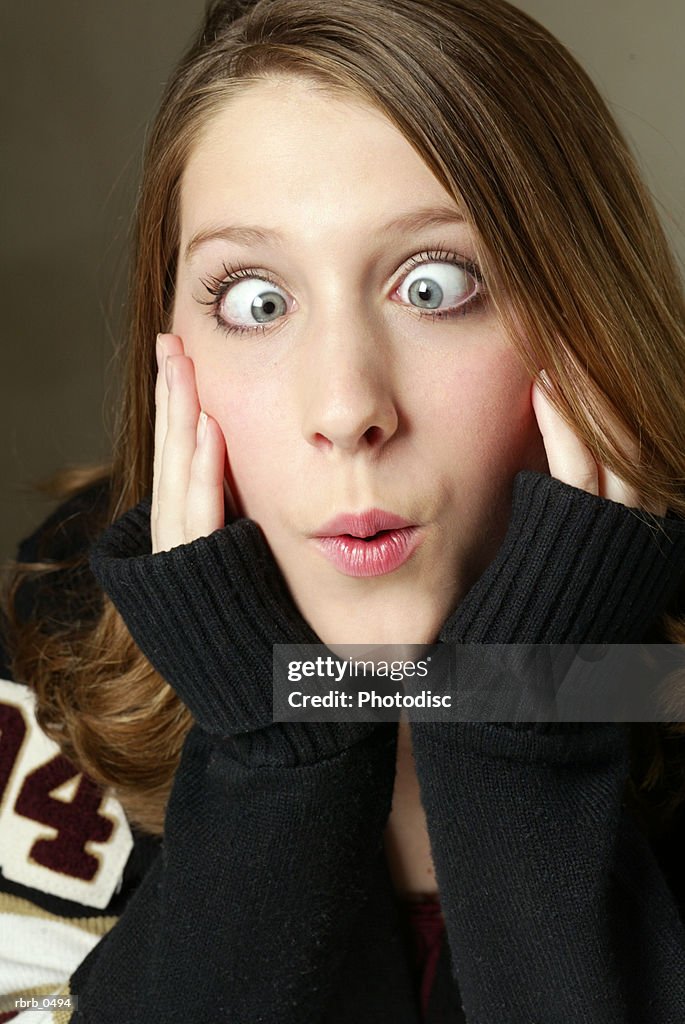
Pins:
<point x="269" y="898"/>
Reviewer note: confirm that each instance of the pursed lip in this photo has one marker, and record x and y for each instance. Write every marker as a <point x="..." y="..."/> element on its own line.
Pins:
<point x="362" y="524"/>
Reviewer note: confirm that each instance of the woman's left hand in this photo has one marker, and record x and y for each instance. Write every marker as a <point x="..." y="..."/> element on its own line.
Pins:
<point x="572" y="462"/>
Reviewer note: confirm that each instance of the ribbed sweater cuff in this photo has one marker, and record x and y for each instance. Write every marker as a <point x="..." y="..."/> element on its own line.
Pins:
<point x="206" y="614"/>
<point x="573" y="568"/>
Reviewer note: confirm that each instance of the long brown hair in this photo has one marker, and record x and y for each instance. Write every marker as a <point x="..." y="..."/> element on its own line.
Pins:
<point x="575" y="259"/>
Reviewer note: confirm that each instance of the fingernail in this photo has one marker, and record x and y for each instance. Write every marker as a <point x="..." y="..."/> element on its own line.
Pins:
<point x="201" y="427"/>
<point x="169" y="367"/>
<point x="159" y="352"/>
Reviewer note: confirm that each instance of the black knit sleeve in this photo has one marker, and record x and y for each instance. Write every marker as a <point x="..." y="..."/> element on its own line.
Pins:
<point x="556" y="908"/>
<point x="206" y="615"/>
<point x="272" y="832"/>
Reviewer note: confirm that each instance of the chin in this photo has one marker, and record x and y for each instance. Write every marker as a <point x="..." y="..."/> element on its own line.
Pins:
<point x="364" y="629"/>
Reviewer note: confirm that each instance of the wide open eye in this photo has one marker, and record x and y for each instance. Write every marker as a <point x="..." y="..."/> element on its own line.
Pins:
<point x="443" y="286"/>
<point x="250" y="302"/>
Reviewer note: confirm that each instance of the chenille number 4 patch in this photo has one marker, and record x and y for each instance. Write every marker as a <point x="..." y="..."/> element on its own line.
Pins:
<point x="59" y="832"/>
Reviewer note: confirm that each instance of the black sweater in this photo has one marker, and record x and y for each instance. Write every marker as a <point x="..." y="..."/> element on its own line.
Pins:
<point x="270" y="901"/>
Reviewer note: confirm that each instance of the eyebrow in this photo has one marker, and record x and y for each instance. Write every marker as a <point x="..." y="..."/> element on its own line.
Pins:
<point x="247" y="234"/>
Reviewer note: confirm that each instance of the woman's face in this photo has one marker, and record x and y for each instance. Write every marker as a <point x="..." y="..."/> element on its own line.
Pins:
<point x="370" y="372"/>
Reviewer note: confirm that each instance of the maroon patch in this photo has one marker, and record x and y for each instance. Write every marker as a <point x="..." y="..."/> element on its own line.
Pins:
<point x="77" y="821"/>
<point x="12" y="732"/>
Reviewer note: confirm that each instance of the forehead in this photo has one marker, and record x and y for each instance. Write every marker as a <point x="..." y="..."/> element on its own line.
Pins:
<point x="287" y="152"/>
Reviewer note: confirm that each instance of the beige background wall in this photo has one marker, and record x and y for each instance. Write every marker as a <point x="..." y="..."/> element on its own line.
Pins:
<point x="80" y="80"/>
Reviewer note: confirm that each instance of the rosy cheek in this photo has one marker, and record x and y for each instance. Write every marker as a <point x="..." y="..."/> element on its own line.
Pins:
<point x="495" y="422"/>
<point x="241" y="418"/>
<point x="515" y="438"/>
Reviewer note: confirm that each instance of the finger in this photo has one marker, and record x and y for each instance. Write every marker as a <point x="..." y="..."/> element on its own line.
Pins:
<point x="167" y="344"/>
<point x="569" y="459"/>
<point x="179" y="448"/>
<point x="205" y="501"/>
<point x="613" y="487"/>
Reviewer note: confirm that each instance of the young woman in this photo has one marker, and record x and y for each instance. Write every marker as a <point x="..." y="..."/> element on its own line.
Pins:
<point x="393" y="261"/>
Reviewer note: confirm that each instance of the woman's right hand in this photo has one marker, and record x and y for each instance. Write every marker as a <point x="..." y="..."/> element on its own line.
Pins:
<point x="190" y="497"/>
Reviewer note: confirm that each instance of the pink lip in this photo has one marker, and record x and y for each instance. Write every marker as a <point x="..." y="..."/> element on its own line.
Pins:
<point x="365" y="524"/>
<point x="356" y="557"/>
<point x="341" y="541"/>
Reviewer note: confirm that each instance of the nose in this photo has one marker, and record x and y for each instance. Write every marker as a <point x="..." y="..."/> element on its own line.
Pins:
<point x="349" y="400"/>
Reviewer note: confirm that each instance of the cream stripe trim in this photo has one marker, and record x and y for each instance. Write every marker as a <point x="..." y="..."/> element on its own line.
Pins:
<point x="10" y="904"/>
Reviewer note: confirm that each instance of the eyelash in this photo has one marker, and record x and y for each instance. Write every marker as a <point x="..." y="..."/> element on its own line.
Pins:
<point x="218" y="286"/>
